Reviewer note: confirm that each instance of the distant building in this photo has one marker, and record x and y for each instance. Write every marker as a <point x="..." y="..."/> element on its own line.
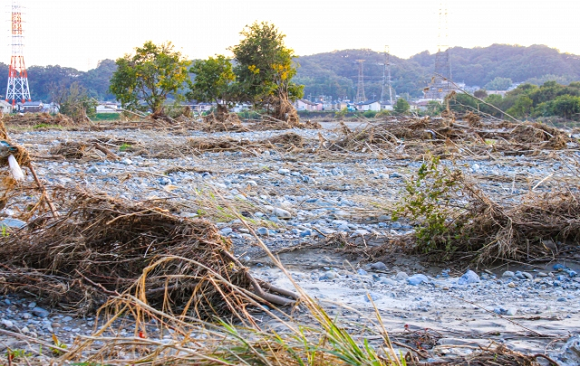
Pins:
<point x="5" y="107"/>
<point x="306" y="105"/>
<point x="107" y="107"/>
<point x="369" y="105"/>
<point x="30" y="107"/>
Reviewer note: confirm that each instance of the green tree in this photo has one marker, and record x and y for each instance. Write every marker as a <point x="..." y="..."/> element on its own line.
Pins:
<point x="401" y="106"/>
<point x="566" y="106"/>
<point x="264" y="70"/>
<point x="499" y="83"/>
<point x="481" y="93"/>
<point x="74" y="101"/>
<point x="522" y="108"/>
<point x="213" y="82"/>
<point x="151" y="75"/>
<point x="463" y="103"/>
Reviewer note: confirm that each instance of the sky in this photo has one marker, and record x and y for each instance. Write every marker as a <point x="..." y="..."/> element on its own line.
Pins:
<point x="79" y="33"/>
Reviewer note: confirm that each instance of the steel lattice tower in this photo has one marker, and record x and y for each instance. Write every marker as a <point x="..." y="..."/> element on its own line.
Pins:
<point x="387" y="87"/>
<point x="360" y="90"/>
<point x="17" y="88"/>
<point x="441" y="84"/>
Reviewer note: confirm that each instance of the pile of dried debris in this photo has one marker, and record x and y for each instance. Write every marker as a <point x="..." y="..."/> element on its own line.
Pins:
<point x="101" y="247"/>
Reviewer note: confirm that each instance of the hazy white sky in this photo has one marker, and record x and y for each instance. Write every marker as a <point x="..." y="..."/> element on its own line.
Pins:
<point x="78" y="33"/>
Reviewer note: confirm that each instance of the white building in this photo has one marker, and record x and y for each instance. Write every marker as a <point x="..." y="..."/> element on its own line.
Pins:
<point x="107" y="108"/>
<point x="5" y="107"/>
<point x="369" y="105"/>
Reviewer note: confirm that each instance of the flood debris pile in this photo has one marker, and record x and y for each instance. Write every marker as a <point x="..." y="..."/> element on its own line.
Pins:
<point x="414" y="137"/>
<point x="224" y="122"/>
<point x="102" y="247"/>
<point x="39" y="120"/>
<point x="541" y="227"/>
<point x="271" y="124"/>
<point x="85" y="151"/>
<point x="286" y="142"/>
<point x="453" y="218"/>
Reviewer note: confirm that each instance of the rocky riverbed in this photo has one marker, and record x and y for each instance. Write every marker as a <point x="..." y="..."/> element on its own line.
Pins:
<point x="297" y="199"/>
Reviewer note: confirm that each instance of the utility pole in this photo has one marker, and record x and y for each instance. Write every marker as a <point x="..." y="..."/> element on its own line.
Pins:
<point x="360" y="91"/>
<point x="17" y="88"/>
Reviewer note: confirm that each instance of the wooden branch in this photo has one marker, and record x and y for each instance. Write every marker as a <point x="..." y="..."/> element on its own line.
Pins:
<point x="44" y="193"/>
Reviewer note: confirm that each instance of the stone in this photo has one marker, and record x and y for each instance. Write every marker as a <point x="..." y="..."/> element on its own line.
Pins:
<point x="417" y="279"/>
<point x="362" y="272"/>
<point x="9" y="324"/>
<point x="559" y="267"/>
<point x="327" y="276"/>
<point x="401" y="276"/>
<point x="283" y="171"/>
<point x="373" y="296"/>
<point x="508" y="274"/>
<point x="14" y="223"/>
<point x="262" y="231"/>
<point x="283" y="214"/>
<point x="379" y="266"/>
<point x="468" y="278"/>
<point x="40" y="312"/>
<point x="226" y="230"/>
<point x="528" y="275"/>
<point x="512" y="285"/>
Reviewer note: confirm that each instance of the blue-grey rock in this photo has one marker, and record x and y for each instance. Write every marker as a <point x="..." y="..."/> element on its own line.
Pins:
<point x="559" y="267"/>
<point x="226" y="230"/>
<point x="417" y="279"/>
<point x="281" y="213"/>
<point x="401" y="276"/>
<point x="40" y="312"/>
<point x="305" y="233"/>
<point x="262" y="231"/>
<point x="508" y="274"/>
<point x="469" y="277"/>
<point x="378" y="266"/>
<point x="387" y="281"/>
<point x="14" y="223"/>
<point x="362" y="272"/>
<point x="327" y="276"/>
<point x="283" y="171"/>
<point x="374" y="296"/>
<point x="528" y="275"/>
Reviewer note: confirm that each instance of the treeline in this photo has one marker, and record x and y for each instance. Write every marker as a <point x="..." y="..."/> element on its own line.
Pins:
<point x="526" y="101"/>
<point x="45" y="81"/>
<point x="335" y="73"/>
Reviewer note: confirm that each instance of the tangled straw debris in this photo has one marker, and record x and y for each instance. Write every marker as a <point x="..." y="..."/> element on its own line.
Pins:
<point x="38" y="119"/>
<point x="102" y="247"/>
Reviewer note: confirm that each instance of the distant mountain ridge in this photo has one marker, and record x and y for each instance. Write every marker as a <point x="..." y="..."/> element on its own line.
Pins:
<point x="335" y="73"/>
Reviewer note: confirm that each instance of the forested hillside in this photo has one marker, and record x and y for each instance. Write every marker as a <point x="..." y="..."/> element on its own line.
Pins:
<point x="335" y="73"/>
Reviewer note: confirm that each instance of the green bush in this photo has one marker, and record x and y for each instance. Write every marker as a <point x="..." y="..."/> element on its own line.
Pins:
<point x="428" y="202"/>
<point x="370" y="114"/>
<point x="106" y="117"/>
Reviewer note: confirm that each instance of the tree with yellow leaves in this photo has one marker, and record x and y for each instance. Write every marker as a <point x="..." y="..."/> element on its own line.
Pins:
<point x="264" y="70"/>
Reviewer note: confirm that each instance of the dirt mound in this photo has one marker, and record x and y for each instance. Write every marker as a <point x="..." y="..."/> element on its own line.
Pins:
<point x="101" y="247"/>
<point x="36" y="119"/>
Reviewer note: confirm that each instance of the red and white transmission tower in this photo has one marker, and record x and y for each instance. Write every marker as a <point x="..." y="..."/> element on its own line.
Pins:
<point x="17" y="75"/>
